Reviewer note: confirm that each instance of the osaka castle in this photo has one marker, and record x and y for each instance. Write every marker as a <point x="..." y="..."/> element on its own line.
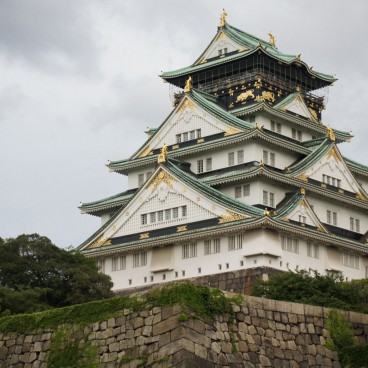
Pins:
<point x="243" y="177"/>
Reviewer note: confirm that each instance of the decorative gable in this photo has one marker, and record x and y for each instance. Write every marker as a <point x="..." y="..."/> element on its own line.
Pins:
<point x="164" y="201"/>
<point x="299" y="107"/>
<point x="220" y="46"/>
<point x="331" y="169"/>
<point x="187" y="122"/>
<point x="304" y="214"/>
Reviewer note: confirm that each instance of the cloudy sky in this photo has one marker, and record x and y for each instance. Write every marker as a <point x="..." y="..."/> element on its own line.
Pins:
<point x="79" y="85"/>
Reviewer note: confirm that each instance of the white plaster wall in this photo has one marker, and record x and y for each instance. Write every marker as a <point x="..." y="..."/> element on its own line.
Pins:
<point x="133" y="176"/>
<point x="286" y="126"/>
<point x="344" y="212"/>
<point x="260" y="248"/>
<point x="105" y="217"/>
<point x="363" y="181"/>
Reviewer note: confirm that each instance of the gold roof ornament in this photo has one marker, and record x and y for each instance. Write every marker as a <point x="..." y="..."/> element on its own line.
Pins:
<point x="297" y="57"/>
<point x="162" y="157"/>
<point x="302" y="191"/>
<point x="266" y="212"/>
<point x="223" y="18"/>
<point x="297" y="88"/>
<point x="330" y="133"/>
<point x="188" y="85"/>
<point x="272" y="39"/>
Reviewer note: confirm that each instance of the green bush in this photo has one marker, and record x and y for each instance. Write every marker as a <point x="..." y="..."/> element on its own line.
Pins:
<point x="313" y="288"/>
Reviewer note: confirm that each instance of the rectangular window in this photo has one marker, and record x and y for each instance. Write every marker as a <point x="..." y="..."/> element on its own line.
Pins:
<point x="329" y="218"/>
<point x="238" y="192"/>
<point x="212" y="246"/>
<point x="302" y="219"/>
<point x="272" y="199"/>
<point x="122" y="262"/>
<point x="278" y="127"/>
<point x="235" y="242"/>
<point x="185" y="136"/>
<point x="300" y="135"/>
<point x="199" y="166"/>
<point x="231" y="158"/>
<point x="240" y="155"/>
<point x="207" y="247"/>
<point x="178" y="138"/>
<point x="152" y="217"/>
<point x="114" y="264"/>
<point x="272" y="159"/>
<point x="189" y="250"/>
<point x="140" y="180"/>
<point x="160" y="216"/>
<point x="265" y="157"/>
<point x="290" y="244"/>
<point x="293" y="133"/>
<point x="350" y="260"/>
<point x="148" y="174"/>
<point x="334" y="218"/>
<point x="192" y="134"/>
<point x="144" y="219"/>
<point x="199" y="133"/>
<point x="265" y="198"/>
<point x="184" y="211"/>
<point x="139" y="259"/>
<point x="273" y="126"/>
<point x="357" y="225"/>
<point x="312" y="250"/>
<point x="354" y="224"/>
<point x="176" y="212"/>
<point x="209" y="164"/>
<point x="351" y="224"/>
<point x="246" y="190"/>
<point x="168" y="214"/>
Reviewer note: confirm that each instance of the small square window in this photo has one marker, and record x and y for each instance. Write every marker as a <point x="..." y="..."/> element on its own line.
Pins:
<point x="183" y="273"/>
<point x="151" y="278"/>
<point x="227" y="265"/>
<point x="130" y="281"/>
<point x="220" y="267"/>
<point x="176" y="273"/>
<point x="199" y="270"/>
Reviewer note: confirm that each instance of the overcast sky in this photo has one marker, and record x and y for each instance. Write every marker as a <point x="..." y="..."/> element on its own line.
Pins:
<point x="79" y="85"/>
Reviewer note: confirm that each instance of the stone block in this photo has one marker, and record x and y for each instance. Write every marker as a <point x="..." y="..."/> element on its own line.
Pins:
<point x="166" y="325"/>
<point x="177" y="345"/>
<point x="200" y="350"/>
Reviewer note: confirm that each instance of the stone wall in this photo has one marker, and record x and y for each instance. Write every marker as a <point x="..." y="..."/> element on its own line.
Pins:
<point x="264" y="333"/>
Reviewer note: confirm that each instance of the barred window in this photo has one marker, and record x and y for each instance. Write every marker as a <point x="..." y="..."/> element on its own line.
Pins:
<point x="240" y="156"/>
<point x="246" y="190"/>
<point x="192" y="134"/>
<point x="101" y="265"/>
<point x="350" y="260"/>
<point x="178" y="138"/>
<point x="354" y="224"/>
<point x="312" y="250"/>
<point x="199" y="133"/>
<point x="140" y="180"/>
<point x="272" y="159"/>
<point x="212" y="246"/>
<point x="122" y="262"/>
<point x="265" y="157"/>
<point x="115" y="263"/>
<point x="231" y="158"/>
<point x="272" y="200"/>
<point x="189" y="250"/>
<point x="290" y="244"/>
<point x="302" y="219"/>
<point x="209" y="164"/>
<point x="160" y="216"/>
<point x="139" y="259"/>
<point x="185" y="136"/>
<point x="152" y="217"/>
<point x="235" y="242"/>
<point x="144" y="219"/>
<point x="199" y="166"/>
<point x="168" y="214"/>
<point x="184" y="211"/>
<point x="238" y="192"/>
<point x="265" y="198"/>
<point x="175" y="212"/>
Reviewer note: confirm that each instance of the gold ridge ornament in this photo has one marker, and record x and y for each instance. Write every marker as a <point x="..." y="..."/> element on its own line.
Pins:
<point x="162" y="157"/>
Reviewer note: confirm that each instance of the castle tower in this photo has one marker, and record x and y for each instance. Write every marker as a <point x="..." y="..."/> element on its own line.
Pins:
<point x="243" y="175"/>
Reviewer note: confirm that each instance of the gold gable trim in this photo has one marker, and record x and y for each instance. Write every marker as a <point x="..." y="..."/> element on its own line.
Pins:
<point x="162" y="177"/>
<point x="231" y="216"/>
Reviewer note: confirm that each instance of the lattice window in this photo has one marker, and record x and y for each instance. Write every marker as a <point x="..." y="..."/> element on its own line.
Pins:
<point x="312" y="250"/>
<point x="189" y="250"/>
<point x="235" y="242"/>
<point x="240" y="156"/>
<point x="209" y="164"/>
<point x="200" y="166"/>
<point x="290" y="244"/>
<point x="231" y="158"/>
<point x="350" y="260"/>
<point x="139" y="259"/>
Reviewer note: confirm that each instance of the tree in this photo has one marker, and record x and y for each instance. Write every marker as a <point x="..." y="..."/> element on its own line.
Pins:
<point x="40" y="274"/>
<point x="313" y="288"/>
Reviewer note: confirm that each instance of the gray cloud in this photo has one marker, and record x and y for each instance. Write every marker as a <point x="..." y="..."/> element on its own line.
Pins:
<point x="79" y="85"/>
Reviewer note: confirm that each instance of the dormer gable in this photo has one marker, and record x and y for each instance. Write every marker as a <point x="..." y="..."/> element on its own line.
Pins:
<point x="296" y="209"/>
<point x="296" y="104"/>
<point x="220" y="46"/>
<point x="191" y="120"/>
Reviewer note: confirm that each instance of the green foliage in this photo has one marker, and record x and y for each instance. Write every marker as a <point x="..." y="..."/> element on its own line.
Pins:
<point x="313" y="288"/>
<point x="82" y="315"/>
<point x="200" y="301"/>
<point x="35" y="270"/>
<point x="70" y="349"/>
<point x="342" y="340"/>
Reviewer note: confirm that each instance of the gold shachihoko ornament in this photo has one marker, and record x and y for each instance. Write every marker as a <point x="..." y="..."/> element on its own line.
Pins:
<point x="223" y="18"/>
<point x="163" y="155"/>
<point x="188" y="84"/>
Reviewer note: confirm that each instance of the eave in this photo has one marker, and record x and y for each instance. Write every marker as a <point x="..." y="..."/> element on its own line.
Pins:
<point x="125" y="165"/>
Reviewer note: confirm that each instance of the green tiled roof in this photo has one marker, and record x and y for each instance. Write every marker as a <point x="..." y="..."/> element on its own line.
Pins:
<point x="356" y="166"/>
<point x="315" y="155"/>
<point x="112" y="201"/>
<point x="253" y="44"/>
